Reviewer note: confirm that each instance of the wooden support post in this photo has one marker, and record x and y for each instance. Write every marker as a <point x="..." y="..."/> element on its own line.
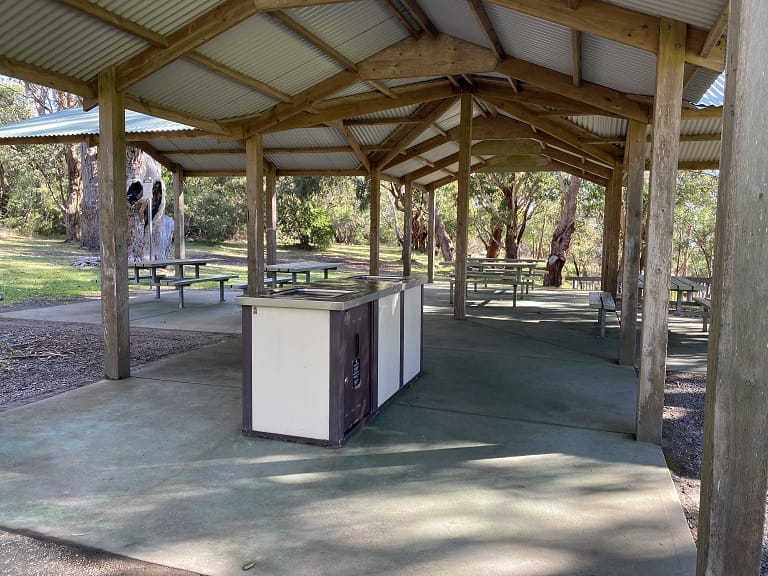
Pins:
<point x="113" y="224"/>
<point x="407" y="225"/>
<point x="254" y="174"/>
<point x="735" y="459"/>
<point x="179" y="244"/>
<point x="612" y="231"/>
<point x="666" y="148"/>
<point x="431" y="234"/>
<point x="375" y="208"/>
<point x="462" y="208"/>
<point x="270" y="213"/>
<point x="634" y="163"/>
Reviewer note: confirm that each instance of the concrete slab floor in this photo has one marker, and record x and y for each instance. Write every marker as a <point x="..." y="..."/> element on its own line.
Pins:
<point x="510" y="455"/>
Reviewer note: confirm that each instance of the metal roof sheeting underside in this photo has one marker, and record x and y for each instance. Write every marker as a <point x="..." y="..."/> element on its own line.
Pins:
<point x="262" y="47"/>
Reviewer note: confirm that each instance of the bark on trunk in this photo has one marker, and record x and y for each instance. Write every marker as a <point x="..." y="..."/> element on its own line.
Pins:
<point x="493" y="248"/>
<point x="443" y="240"/>
<point x="138" y="167"/>
<point x="561" y="237"/>
<point x="89" y="220"/>
<point x="5" y="191"/>
<point x="74" y="192"/>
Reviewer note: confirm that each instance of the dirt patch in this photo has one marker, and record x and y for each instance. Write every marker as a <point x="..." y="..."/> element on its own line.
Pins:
<point x="40" y="359"/>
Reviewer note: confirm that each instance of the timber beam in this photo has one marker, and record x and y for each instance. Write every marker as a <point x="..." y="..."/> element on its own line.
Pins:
<point x="620" y="25"/>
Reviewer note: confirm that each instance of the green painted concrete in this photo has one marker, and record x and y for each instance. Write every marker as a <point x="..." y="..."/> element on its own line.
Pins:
<point x="512" y="454"/>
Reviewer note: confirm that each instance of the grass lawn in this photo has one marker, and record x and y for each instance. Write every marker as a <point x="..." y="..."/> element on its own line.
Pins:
<point x="34" y="268"/>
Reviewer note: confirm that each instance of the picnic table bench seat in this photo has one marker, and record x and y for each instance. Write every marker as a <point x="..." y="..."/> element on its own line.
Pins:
<point x="487" y="277"/>
<point x="706" y="304"/>
<point x="180" y="283"/>
<point x="602" y="301"/>
<point x="281" y="281"/>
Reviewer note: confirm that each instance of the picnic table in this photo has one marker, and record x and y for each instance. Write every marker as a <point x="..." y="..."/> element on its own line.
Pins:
<point x="154" y="265"/>
<point x="179" y="281"/>
<point x="680" y="285"/>
<point x="302" y="267"/>
<point x="514" y="267"/>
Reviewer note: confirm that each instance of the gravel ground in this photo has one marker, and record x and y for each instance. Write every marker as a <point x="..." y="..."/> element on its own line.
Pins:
<point x="684" y="397"/>
<point x="40" y="359"/>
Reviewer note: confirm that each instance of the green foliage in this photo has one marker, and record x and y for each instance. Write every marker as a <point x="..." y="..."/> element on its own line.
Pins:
<point x="308" y="222"/>
<point x="215" y="208"/>
<point x="313" y="211"/>
<point x="695" y="210"/>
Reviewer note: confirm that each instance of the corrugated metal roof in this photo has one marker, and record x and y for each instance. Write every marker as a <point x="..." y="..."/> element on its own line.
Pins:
<point x="441" y="151"/>
<point x="715" y="94"/>
<point x="699" y="151"/>
<point x="370" y="135"/>
<point x="357" y="30"/>
<point x="699" y="13"/>
<point x="75" y="122"/>
<point x="171" y="89"/>
<point x="400" y="170"/>
<point x="202" y="144"/>
<point x="539" y="41"/>
<point x="354" y="90"/>
<point x="703" y="126"/>
<point x="162" y="17"/>
<point x="314" y="161"/>
<point x="250" y="48"/>
<point x="210" y="163"/>
<point x="602" y="126"/>
<point x="392" y="113"/>
<point x="396" y="82"/>
<point x="65" y="40"/>
<point x="606" y="62"/>
<point x="454" y="17"/>
<point x="305" y="138"/>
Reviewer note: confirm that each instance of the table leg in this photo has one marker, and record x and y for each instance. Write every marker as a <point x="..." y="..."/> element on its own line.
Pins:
<point x="325" y="273"/>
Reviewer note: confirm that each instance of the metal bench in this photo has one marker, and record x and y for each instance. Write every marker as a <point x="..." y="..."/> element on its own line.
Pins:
<point x="182" y="282"/>
<point x="602" y="301"/>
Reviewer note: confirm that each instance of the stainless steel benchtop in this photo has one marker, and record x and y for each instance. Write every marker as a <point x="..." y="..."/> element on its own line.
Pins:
<point x="341" y="294"/>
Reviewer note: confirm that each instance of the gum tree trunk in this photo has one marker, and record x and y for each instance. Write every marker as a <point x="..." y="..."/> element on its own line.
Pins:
<point x="561" y="237"/>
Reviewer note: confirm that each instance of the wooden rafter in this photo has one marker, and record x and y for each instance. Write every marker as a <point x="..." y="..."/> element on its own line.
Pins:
<point x="404" y="22"/>
<point x="349" y="136"/>
<point x="38" y="75"/>
<point x="238" y="77"/>
<point x="549" y="126"/>
<point x="323" y="46"/>
<point x="302" y="101"/>
<point x="592" y="94"/>
<point x="432" y="115"/>
<point x="138" y="105"/>
<point x="380" y="121"/>
<point x="711" y="137"/>
<point x="116" y="21"/>
<point x="478" y="8"/>
<point x="202" y="29"/>
<point x="156" y="154"/>
<point x="715" y="33"/>
<point x="420" y="16"/>
<point x="576" y="46"/>
<point x="619" y="24"/>
<point x="362" y="104"/>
